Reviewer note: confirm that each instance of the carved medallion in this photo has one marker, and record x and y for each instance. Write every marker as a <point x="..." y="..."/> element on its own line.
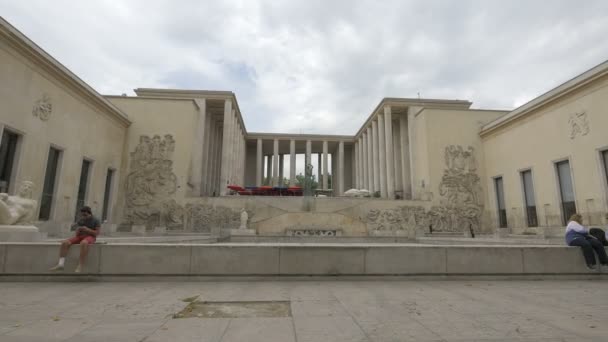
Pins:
<point x="43" y="108"/>
<point x="578" y="124"/>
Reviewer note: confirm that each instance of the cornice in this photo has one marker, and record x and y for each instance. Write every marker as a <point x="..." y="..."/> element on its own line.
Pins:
<point x="300" y="137"/>
<point x="28" y="49"/>
<point x="412" y="102"/>
<point x="193" y="94"/>
<point x="547" y="98"/>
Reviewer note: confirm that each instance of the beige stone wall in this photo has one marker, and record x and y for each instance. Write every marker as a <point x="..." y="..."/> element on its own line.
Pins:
<point x="537" y="141"/>
<point x="453" y="127"/>
<point x="75" y="125"/>
<point x="437" y="130"/>
<point x="159" y="117"/>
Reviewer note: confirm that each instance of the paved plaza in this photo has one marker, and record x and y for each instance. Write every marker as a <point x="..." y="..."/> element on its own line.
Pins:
<point x="353" y="310"/>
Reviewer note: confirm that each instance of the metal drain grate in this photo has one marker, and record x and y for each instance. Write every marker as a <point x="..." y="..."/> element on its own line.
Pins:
<point x="235" y="309"/>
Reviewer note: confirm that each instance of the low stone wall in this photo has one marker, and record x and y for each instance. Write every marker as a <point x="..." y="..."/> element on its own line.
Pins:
<point x="295" y="259"/>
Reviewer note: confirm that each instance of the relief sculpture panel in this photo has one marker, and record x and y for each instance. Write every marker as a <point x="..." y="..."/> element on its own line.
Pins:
<point x="461" y="193"/>
<point x="460" y="204"/>
<point x="202" y="218"/>
<point x="151" y="184"/>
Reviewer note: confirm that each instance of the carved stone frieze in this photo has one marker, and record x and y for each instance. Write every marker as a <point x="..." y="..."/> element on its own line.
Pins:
<point x="204" y="217"/>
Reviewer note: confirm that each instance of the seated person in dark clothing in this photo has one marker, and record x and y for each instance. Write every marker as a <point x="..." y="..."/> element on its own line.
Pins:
<point x="87" y="228"/>
<point x="578" y="235"/>
<point x="599" y="234"/>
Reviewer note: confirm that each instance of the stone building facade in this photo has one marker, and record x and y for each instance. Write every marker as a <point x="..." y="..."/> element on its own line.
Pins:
<point x="165" y="156"/>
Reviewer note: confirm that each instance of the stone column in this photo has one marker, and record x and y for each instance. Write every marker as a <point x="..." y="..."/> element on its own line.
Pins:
<point x="209" y="137"/>
<point x="405" y="156"/>
<point x="269" y="169"/>
<point x="281" y="166"/>
<point x="275" y="164"/>
<point x="259" y="164"/>
<point x="212" y="165"/>
<point x="382" y="156"/>
<point x="292" y="163"/>
<point x="325" y="167"/>
<point x="375" y="155"/>
<point x="232" y="152"/>
<point x="353" y="169"/>
<point x="370" y="162"/>
<point x="355" y="179"/>
<point x="196" y="179"/>
<point x="319" y="170"/>
<point x="217" y="170"/>
<point x="364" y="161"/>
<point x="235" y="165"/>
<point x="412" y="138"/>
<point x="340" y="168"/>
<point x="240" y="155"/>
<point x="226" y="147"/>
<point x="397" y="154"/>
<point x="308" y="159"/>
<point x="237" y="152"/>
<point x="360" y="172"/>
<point x="390" y="167"/>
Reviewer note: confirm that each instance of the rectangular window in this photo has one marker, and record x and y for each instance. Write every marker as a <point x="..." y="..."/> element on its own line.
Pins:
<point x="106" y="194"/>
<point x="500" y="200"/>
<point x="8" y="146"/>
<point x="82" y="185"/>
<point x="566" y="189"/>
<point x="526" y="177"/>
<point x="50" y="178"/>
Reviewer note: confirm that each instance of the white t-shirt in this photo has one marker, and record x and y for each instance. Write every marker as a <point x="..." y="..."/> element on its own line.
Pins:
<point x="577" y="227"/>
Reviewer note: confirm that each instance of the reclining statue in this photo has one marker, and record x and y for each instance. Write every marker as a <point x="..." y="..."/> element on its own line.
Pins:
<point x="19" y="209"/>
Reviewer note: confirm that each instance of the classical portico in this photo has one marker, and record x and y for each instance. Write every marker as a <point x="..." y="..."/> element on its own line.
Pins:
<point x="267" y="153"/>
<point x="380" y="157"/>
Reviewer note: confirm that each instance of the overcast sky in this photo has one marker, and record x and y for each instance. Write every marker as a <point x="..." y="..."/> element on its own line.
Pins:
<point x="321" y="66"/>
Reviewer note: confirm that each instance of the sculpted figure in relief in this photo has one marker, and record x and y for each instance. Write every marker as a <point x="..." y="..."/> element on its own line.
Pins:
<point x="20" y="209"/>
<point x="244" y="218"/>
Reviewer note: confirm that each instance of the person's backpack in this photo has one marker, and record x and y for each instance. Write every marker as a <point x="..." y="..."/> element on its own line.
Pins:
<point x="599" y="234"/>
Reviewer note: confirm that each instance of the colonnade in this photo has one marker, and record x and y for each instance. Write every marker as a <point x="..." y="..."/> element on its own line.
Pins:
<point x="382" y="156"/>
<point x="275" y="162"/>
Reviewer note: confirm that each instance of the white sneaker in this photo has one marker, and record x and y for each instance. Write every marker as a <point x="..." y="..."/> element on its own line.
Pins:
<point x="78" y="269"/>
<point x="56" y="268"/>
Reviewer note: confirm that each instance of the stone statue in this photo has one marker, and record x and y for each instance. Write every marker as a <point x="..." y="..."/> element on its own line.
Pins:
<point x="244" y="218"/>
<point x="20" y="209"/>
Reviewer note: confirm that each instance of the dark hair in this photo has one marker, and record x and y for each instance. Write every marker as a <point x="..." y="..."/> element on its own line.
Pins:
<point x="86" y="209"/>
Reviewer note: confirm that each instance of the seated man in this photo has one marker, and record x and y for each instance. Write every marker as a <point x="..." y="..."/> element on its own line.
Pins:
<point x="87" y="229"/>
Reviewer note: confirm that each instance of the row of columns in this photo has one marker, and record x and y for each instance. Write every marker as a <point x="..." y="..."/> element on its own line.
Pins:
<point x="375" y="150"/>
<point x="275" y="164"/>
<point x="207" y="146"/>
<point x="219" y="156"/>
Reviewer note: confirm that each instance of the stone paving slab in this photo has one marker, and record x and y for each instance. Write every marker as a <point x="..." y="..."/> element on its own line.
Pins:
<point x="332" y="310"/>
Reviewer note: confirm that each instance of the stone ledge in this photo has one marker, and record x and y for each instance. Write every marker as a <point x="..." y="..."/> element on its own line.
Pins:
<point x="296" y="259"/>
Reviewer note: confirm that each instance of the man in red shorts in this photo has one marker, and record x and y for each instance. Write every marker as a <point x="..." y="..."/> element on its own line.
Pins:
<point x="87" y="228"/>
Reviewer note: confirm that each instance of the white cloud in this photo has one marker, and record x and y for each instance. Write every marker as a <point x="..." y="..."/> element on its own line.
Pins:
<point x="319" y="66"/>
